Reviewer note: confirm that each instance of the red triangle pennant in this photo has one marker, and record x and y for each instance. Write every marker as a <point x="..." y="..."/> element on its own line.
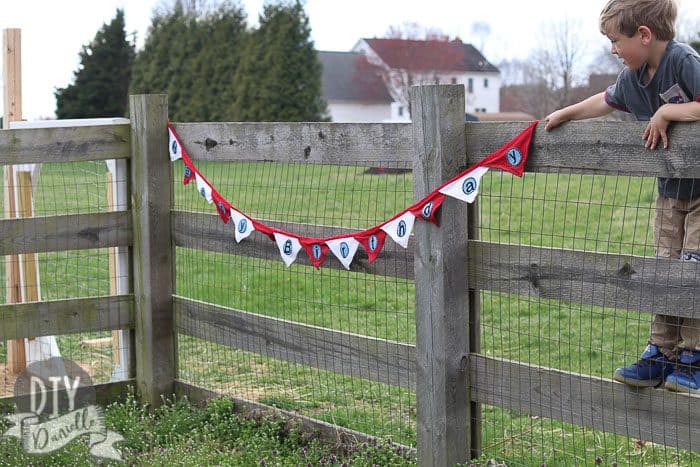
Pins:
<point x="222" y="206"/>
<point x="316" y="248"/>
<point x="427" y="209"/>
<point x="373" y="241"/>
<point x="267" y="230"/>
<point x="189" y="174"/>
<point x="512" y="156"/>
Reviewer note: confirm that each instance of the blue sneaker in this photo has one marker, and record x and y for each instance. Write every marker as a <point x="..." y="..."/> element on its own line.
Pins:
<point x="651" y="370"/>
<point x="686" y="378"/>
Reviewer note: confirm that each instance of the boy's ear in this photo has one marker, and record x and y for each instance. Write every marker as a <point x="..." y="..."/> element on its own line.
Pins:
<point x="645" y="34"/>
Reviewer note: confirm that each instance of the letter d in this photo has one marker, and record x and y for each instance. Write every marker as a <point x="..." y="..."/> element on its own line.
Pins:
<point x="32" y="394"/>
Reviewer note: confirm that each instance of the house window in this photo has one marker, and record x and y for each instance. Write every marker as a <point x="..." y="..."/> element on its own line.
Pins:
<point x="470" y="85"/>
<point x="437" y="80"/>
<point x="400" y="111"/>
<point x="454" y="81"/>
<point x="486" y="83"/>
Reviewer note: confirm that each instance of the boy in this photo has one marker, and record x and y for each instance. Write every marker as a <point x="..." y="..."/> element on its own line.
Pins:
<point x="660" y="84"/>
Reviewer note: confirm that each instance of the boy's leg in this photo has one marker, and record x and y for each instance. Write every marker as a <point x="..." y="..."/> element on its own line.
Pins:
<point x="657" y="361"/>
<point x="686" y="378"/>
<point x="669" y="231"/>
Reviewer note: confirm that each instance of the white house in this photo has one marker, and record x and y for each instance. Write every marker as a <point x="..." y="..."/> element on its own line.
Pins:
<point x="370" y="83"/>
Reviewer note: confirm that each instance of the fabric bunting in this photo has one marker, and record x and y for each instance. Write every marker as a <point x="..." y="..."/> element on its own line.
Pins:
<point x="289" y="247"/>
<point x="189" y="175"/>
<point x="174" y="146"/>
<point x="204" y="188"/>
<point x="243" y="224"/>
<point x="428" y="208"/>
<point x="344" y="249"/>
<point x="372" y="241"/>
<point x="222" y="206"/>
<point x="511" y="156"/>
<point x="316" y="248"/>
<point x="466" y="187"/>
<point x="400" y="228"/>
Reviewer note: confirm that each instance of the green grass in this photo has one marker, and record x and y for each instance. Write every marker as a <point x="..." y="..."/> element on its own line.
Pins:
<point x="583" y="212"/>
<point x="182" y="434"/>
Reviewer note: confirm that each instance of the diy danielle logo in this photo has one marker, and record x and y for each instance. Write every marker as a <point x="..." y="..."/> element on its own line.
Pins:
<point x="55" y="405"/>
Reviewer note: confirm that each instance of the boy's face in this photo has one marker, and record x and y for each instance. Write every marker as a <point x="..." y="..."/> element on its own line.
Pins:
<point x="631" y="50"/>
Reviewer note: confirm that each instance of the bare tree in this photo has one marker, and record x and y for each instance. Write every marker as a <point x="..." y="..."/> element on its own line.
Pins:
<point x="481" y="30"/>
<point x="415" y="55"/>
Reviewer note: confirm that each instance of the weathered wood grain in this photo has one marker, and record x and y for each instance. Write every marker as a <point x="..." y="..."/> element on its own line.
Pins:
<point x="64" y="144"/>
<point x="655" y="285"/>
<point x="66" y="316"/>
<point x="105" y="394"/>
<point x="151" y="201"/>
<point x="442" y="291"/>
<point x="368" y="144"/>
<point x="654" y="415"/>
<point x="341" y="352"/>
<point x="68" y="232"/>
<point x="207" y="232"/>
<point x="594" y="147"/>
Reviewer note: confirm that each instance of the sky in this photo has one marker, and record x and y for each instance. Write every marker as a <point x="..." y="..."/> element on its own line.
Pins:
<point x="54" y="31"/>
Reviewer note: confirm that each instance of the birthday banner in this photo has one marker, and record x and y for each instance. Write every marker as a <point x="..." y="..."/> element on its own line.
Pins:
<point x="511" y="157"/>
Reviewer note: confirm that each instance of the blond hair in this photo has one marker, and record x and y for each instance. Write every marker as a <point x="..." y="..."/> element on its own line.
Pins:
<point x="625" y="16"/>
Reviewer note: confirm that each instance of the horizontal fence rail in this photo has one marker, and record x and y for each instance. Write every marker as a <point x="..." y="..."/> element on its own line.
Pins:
<point x="593" y="147"/>
<point x="655" y="285"/>
<point x="370" y="144"/>
<point x="569" y="397"/>
<point x="66" y="316"/>
<point x="583" y="147"/>
<point x="654" y="415"/>
<point x="64" y="144"/>
<point x="337" y="351"/>
<point x="67" y="232"/>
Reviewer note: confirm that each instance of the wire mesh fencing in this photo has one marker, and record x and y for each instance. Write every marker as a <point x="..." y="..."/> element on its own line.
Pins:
<point x="570" y="303"/>
<point x="49" y="270"/>
<point x="312" y="198"/>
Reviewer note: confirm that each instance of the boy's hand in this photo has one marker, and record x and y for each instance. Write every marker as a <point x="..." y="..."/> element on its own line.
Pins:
<point x="554" y="119"/>
<point x="656" y="129"/>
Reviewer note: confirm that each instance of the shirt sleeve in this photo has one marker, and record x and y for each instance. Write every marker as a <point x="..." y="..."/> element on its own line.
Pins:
<point x="614" y="95"/>
<point x="690" y="76"/>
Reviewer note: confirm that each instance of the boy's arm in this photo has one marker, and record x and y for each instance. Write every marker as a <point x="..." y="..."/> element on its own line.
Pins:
<point x="594" y="106"/>
<point x="667" y="113"/>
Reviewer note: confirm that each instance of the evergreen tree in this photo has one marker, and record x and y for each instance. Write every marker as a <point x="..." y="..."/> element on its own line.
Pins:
<point x="101" y="83"/>
<point x="191" y="53"/>
<point x="279" y="78"/>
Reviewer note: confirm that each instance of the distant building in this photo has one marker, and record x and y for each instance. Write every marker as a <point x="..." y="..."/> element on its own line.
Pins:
<point x="351" y="97"/>
<point x="370" y="83"/>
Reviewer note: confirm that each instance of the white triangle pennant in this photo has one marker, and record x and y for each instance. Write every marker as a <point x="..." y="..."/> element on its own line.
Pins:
<point x="174" y="146"/>
<point x="466" y="187"/>
<point x="344" y="249"/>
<point x="400" y="228"/>
<point x="203" y="188"/>
<point x="243" y="225"/>
<point x="289" y="247"/>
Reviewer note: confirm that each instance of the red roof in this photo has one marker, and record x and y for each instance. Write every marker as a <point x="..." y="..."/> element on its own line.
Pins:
<point x="430" y="55"/>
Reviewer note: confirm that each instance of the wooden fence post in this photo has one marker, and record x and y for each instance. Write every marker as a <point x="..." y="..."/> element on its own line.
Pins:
<point x="442" y="293"/>
<point x="151" y="203"/>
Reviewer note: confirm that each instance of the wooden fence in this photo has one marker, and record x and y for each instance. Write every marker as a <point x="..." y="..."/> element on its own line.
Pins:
<point x="450" y="265"/>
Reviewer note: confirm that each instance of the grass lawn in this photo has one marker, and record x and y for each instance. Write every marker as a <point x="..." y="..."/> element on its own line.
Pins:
<point x="182" y="434"/>
<point x="592" y="213"/>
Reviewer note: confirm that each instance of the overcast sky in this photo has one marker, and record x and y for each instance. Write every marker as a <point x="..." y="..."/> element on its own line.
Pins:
<point x="53" y="31"/>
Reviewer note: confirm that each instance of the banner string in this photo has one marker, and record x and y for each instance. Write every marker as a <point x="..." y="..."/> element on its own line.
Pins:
<point x="511" y="157"/>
